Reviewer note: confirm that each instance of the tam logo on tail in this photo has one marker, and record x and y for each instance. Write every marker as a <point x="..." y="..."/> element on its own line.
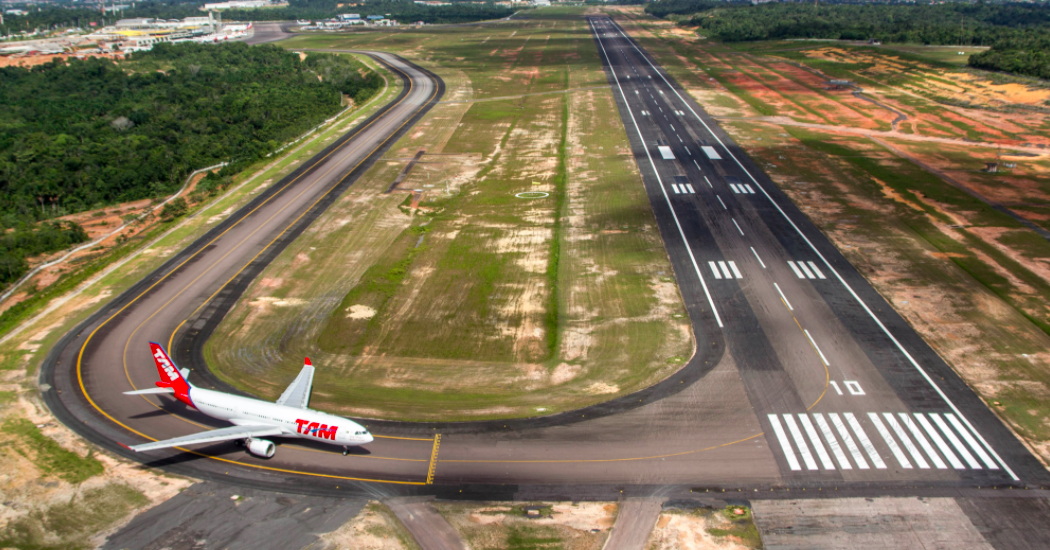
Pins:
<point x="169" y="374"/>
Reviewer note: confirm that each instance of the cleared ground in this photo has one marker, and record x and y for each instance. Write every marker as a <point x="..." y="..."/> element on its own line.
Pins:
<point x="973" y="281"/>
<point x="506" y="525"/>
<point x="454" y="296"/>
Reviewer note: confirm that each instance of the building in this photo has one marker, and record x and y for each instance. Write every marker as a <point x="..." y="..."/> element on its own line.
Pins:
<point x="241" y="4"/>
<point x="350" y="17"/>
<point x="137" y="23"/>
<point x="374" y="18"/>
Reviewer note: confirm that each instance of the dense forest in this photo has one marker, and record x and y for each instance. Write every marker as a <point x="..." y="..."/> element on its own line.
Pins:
<point x="89" y="133"/>
<point x="461" y="11"/>
<point x="1019" y="34"/>
<point x="401" y="10"/>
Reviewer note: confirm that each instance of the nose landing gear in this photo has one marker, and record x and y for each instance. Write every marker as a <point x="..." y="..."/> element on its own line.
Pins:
<point x="345" y="450"/>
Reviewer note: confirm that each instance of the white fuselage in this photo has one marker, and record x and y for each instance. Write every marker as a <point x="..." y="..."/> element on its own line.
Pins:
<point x="295" y="422"/>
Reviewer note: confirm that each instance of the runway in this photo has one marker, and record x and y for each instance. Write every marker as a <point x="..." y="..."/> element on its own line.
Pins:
<point x="804" y="377"/>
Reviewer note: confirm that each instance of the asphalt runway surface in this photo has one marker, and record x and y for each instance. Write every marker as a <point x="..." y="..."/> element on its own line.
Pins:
<point x="803" y="378"/>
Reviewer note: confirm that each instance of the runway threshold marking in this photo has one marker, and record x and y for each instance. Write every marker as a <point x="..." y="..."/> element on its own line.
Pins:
<point x="818" y="432"/>
<point x="900" y="347"/>
<point x="80" y="355"/>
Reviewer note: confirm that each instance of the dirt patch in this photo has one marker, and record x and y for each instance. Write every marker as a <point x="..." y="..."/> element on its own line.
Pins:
<point x="598" y="388"/>
<point x="374" y="528"/>
<point x="679" y="531"/>
<point x="579" y="526"/>
<point x="359" y="311"/>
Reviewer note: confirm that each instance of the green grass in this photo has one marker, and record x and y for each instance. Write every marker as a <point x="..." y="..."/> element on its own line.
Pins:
<point x="48" y="455"/>
<point x="940" y="54"/>
<point x="552" y="318"/>
<point x="525" y="537"/>
<point x="1023" y="407"/>
<point x="488" y="290"/>
<point x="741" y="527"/>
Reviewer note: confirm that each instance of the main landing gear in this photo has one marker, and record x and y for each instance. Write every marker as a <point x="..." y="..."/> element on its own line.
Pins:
<point x="345" y="450"/>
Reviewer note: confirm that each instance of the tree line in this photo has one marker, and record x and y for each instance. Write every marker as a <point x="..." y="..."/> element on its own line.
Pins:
<point x="461" y="11"/>
<point x="89" y="133"/>
<point x="1018" y="34"/>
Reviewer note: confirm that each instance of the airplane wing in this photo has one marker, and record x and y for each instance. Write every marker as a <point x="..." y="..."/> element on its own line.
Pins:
<point x="298" y="394"/>
<point x="223" y="434"/>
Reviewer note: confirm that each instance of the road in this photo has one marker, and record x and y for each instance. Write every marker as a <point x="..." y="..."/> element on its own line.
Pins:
<point x="804" y="377"/>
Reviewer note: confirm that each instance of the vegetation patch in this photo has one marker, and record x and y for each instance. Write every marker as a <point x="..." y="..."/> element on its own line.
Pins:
<point x="69" y="525"/>
<point x="48" y="455"/>
<point x="505" y="526"/>
<point x="451" y="298"/>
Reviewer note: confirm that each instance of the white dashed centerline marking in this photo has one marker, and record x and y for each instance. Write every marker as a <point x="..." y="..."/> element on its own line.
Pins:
<point x="723" y="204"/>
<point x="758" y="258"/>
<point x="782" y="297"/>
<point x="738" y="227"/>
<point x="820" y="353"/>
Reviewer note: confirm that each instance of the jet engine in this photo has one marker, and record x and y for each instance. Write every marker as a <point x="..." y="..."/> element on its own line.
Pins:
<point x="261" y="447"/>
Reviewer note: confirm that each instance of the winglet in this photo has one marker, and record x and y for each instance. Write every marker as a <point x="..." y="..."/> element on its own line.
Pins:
<point x="308" y="362"/>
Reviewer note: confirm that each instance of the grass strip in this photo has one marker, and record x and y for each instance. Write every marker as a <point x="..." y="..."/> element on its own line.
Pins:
<point x="552" y="318"/>
<point x="49" y="456"/>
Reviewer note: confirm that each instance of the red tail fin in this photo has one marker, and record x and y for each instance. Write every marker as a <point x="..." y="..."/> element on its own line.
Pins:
<point x="170" y="377"/>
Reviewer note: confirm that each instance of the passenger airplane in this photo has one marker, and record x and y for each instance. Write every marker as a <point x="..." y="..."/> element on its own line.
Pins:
<point x="252" y="419"/>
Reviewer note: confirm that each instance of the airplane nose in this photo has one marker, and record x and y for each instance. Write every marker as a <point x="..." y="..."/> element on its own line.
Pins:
<point x="368" y="439"/>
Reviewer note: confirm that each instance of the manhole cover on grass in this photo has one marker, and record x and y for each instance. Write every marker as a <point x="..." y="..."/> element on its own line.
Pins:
<point x="532" y="195"/>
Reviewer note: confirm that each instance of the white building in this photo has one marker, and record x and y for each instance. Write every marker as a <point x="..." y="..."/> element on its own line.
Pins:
<point x="239" y="4"/>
